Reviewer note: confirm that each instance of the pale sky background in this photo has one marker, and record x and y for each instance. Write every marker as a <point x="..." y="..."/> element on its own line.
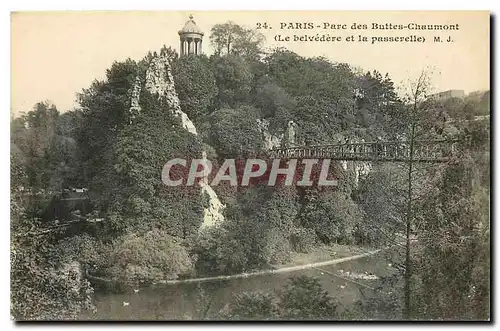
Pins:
<point x="54" y="55"/>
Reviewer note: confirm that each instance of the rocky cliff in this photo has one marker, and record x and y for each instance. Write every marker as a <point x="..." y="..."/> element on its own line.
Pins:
<point x="160" y="82"/>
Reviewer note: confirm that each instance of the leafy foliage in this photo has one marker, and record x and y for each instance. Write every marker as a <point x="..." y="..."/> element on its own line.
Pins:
<point x="44" y="286"/>
<point x="331" y="215"/>
<point x="230" y="38"/>
<point x="233" y="77"/>
<point x="380" y="197"/>
<point x="195" y="85"/>
<point x="151" y="231"/>
<point x="302" y="298"/>
<point x="146" y="258"/>
<point x="135" y="195"/>
<point x="234" y="132"/>
<point x="454" y="262"/>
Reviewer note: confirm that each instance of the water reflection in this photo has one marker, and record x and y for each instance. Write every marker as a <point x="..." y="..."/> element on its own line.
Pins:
<point x="205" y="300"/>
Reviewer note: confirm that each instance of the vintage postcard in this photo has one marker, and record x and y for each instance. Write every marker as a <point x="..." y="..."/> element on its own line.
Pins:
<point x="250" y="165"/>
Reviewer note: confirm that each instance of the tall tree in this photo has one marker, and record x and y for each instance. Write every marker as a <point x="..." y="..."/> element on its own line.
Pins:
<point x="105" y="106"/>
<point x="230" y="38"/>
<point x="420" y="117"/>
<point x="195" y="85"/>
<point x="234" y="78"/>
<point x="234" y="132"/>
<point x="32" y="137"/>
<point x="454" y="260"/>
<point x="377" y="105"/>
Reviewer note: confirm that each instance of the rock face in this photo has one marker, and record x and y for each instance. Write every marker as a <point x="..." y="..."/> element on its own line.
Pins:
<point x="160" y="82"/>
<point x="270" y="141"/>
<point x="289" y="138"/>
<point x="359" y="168"/>
<point x="291" y="133"/>
<point x="213" y="213"/>
<point x="135" y="108"/>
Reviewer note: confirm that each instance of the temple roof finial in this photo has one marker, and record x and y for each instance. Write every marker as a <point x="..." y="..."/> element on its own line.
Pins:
<point x="190" y="27"/>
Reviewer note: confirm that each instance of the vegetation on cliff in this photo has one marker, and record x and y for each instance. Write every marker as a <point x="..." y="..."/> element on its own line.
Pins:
<point x="151" y="232"/>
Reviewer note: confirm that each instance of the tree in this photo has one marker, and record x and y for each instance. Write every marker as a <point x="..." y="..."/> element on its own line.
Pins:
<point x="324" y="93"/>
<point x="421" y="118"/>
<point x="44" y="284"/>
<point x="124" y="156"/>
<point x="233" y="77"/>
<point x="195" y="85"/>
<point x="274" y="103"/>
<point x="381" y="197"/>
<point x="416" y="116"/>
<point x="105" y="107"/>
<point x="32" y="137"/>
<point x="332" y="215"/>
<point x="169" y="52"/>
<point x="453" y="262"/>
<point x="378" y="105"/>
<point x="230" y="38"/>
<point x="134" y="196"/>
<point x="256" y="234"/>
<point x="253" y="306"/>
<point x="153" y="256"/>
<point x="302" y="298"/>
<point x="234" y="132"/>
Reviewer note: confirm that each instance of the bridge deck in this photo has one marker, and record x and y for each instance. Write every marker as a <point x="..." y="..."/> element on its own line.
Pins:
<point x="423" y="151"/>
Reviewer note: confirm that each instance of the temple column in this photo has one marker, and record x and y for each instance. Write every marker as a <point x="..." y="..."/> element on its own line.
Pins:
<point x="191" y="46"/>
<point x="191" y="38"/>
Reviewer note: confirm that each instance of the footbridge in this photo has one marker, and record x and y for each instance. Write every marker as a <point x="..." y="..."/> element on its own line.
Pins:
<point x="388" y="151"/>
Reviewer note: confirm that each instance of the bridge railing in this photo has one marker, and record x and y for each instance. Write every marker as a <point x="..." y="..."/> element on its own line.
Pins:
<point x="423" y="150"/>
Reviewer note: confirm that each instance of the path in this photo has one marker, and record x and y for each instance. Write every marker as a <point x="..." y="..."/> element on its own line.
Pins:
<point x="275" y="271"/>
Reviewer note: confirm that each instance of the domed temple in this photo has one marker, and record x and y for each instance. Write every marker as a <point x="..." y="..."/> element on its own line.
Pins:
<point x="191" y="38"/>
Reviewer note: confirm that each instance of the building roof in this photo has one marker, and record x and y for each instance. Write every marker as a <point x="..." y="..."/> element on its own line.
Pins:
<point x="191" y="27"/>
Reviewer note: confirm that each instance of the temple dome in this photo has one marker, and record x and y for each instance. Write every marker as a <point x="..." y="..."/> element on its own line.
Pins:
<point x="190" y="27"/>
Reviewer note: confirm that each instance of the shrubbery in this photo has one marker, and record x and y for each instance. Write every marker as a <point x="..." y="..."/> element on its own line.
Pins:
<point x="151" y="231"/>
<point x="147" y="258"/>
<point x="302" y="298"/>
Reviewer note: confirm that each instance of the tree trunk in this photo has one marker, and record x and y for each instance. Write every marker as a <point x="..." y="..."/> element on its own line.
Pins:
<point x="407" y="289"/>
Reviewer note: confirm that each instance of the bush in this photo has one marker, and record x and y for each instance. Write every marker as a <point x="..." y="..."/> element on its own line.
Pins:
<point x="43" y="288"/>
<point x="195" y="85"/>
<point x="252" y="306"/>
<point x="302" y="298"/>
<point x="216" y="250"/>
<point x="45" y="283"/>
<point x="303" y="240"/>
<point x="277" y="248"/>
<point x="332" y="216"/>
<point x="147" y="258"/>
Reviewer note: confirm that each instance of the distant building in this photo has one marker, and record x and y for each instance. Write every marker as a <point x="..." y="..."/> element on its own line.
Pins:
<point x="448" y="95"/>
<point x="191" y="38"/>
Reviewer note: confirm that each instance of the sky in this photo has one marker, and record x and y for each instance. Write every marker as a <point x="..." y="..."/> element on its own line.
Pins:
<point x="55" y="55"/>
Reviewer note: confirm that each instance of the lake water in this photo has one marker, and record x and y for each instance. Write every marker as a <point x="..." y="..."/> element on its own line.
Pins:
<point x="179" y="301"/>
